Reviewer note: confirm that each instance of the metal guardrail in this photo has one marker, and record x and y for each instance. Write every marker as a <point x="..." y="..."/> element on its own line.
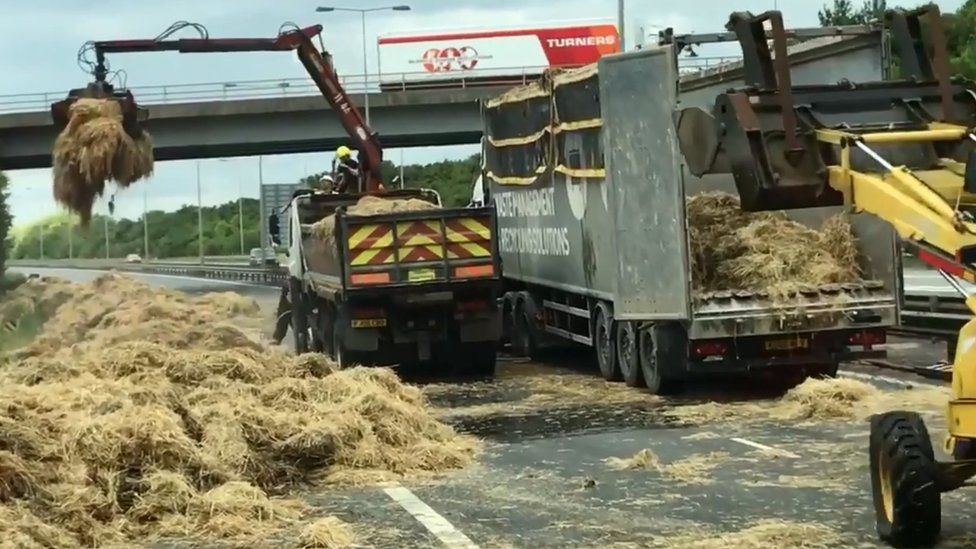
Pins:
<point x="271" y="276"/>
<point x="298" y="87"/>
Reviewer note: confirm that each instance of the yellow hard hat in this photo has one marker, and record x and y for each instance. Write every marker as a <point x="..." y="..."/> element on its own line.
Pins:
<point x="343" y="151"/>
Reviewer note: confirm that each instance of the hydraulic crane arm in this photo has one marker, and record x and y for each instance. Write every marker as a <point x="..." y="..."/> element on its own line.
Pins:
<point x="318" y="64"/>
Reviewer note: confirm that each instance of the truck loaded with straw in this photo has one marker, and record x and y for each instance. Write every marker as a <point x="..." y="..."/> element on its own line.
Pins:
<point x="392" y="277"/>
<point x="608" y="240"/>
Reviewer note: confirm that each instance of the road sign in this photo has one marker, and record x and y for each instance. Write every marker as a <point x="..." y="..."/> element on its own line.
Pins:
<point x="273" y="199"/>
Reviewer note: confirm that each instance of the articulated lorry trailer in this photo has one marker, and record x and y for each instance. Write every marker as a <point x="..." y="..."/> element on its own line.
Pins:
<point x="590" y="191"/>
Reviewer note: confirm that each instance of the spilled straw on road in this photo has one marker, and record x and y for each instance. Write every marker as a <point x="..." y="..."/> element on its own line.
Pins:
<point x="140" y="414"/>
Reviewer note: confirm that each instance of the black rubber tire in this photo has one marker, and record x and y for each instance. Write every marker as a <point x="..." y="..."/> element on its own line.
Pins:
<point x="524" y="341"/>
<point x="907" y="502"/>
<point x="823" y="371"/>
<point x="319" y="337"/>
<point x="339" y="353"/>
<point x="628" y="357"/>
<point x="605" y="343"/>
<point x="299" y="320"/>
<point x="654" y="349"/>
<point x="951" y="345"/>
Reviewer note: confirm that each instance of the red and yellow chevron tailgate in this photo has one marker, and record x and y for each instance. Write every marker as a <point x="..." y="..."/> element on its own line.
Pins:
<point x="371" y="244"/>
<point x="419" y="241"/>
<point x="468" y="237"/>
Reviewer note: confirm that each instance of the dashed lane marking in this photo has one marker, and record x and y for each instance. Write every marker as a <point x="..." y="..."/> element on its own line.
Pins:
<point x="437" y="525"/>
<point x="763" y="447"/>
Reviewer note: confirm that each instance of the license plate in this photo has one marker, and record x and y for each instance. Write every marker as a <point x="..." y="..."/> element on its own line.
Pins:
<point x="791" y="344"/>
<point x="421" y="275"/>
<point x="369" y="323"/>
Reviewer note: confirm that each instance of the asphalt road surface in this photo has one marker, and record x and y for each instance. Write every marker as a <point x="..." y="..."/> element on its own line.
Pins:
<point x="544" y="481"/>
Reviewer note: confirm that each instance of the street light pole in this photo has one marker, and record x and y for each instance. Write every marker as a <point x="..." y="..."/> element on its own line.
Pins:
<point x="240" y="213"/>
<point x="145" y="224"/>
<point x="620" y="24"/>
<point x="199" y="215"/>
<point x="365" y="72"/>
<point x="108" y="253"/>
<point x="362" y="13"/>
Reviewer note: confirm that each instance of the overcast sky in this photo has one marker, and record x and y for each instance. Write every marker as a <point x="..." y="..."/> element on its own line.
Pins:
<point x="40" y="39"/>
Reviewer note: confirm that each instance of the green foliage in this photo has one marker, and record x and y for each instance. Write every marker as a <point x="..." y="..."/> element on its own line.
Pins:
<point x="451" y="178"/>
<point x="842" y="12"/>
<point x="960" y="39"/>
<point x="171" y="234"/>
<point x="10" y="281"/>
<point x="5" y="220"/>
<point x="958" y="26"/>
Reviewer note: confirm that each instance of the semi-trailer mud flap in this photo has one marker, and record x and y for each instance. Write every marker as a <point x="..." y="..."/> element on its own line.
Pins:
<point x="360" y="339"/>
<point x="480" y="329"/>
<point x="423" y="346"/>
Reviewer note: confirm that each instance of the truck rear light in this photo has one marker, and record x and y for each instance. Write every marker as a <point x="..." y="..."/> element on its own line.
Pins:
<point x="365" y="279"/>
<point x="368" y="312"/>
<point x="709" y="348"/>
<point x="474" y="271"/>
<point x="472" y="306"/>
<point x="867" y="338"/>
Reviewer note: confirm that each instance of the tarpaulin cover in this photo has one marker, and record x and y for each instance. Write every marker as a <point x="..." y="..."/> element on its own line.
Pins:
<point x="552" y="124"/>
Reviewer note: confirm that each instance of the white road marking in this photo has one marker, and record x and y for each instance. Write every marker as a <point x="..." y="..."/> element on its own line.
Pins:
<point x="901" y="346"/>
<point x="439" y="526"/>
<point x="872" y="377"/>
<point x="763" y="447"/>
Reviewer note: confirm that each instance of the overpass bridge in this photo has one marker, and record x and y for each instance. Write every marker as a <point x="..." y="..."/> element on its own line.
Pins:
<point x="226" y="125"/>
<point x="221" y="119"/>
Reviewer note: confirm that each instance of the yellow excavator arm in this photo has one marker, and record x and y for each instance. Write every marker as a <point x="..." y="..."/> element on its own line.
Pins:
<point x="923" y="206"/>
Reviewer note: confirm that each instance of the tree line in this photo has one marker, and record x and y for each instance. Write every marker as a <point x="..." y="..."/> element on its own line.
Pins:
<point x="175" y="234"/>
<point x="452" y="179"/>
<point x="958" y="27"/>
<point x="170" y="234"/>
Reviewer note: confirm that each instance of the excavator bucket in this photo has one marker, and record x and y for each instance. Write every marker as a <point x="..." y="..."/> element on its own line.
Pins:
<point x="132" y="115"/>
<point x="766" y="133"/>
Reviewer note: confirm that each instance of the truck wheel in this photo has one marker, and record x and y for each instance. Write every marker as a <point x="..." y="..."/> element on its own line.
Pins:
<point x="907" y="505"/>
<point x="605" y="344"/>
<point x="627" y="355"/>
<point x="823" y="371"/>
<point x="339" y="353"/>
<point x="655" y="349"/>
<point x="299" y="318"/>
<point x="523" y="339"/>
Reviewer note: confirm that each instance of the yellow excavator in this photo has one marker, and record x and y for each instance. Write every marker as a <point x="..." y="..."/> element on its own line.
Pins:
<point x="903" y="150"/>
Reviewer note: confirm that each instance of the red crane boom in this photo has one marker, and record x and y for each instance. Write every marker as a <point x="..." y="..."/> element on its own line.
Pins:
<point x="318" y="64"/>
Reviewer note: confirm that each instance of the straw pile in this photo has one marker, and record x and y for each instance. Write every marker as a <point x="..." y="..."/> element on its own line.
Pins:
<point x="764" y="534"/>
<point x="324" y="229"/>
<point x="694" y="469"/>
<point x="764" y="252"/>
<point x="819" y="400"/>
<point x="94" y="148"/>
<point x="143" y="413"/>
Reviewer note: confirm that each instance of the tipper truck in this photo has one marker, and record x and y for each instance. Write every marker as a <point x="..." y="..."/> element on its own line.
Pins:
<point x="418" y="288"/>
<point x="591" y="201"/>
